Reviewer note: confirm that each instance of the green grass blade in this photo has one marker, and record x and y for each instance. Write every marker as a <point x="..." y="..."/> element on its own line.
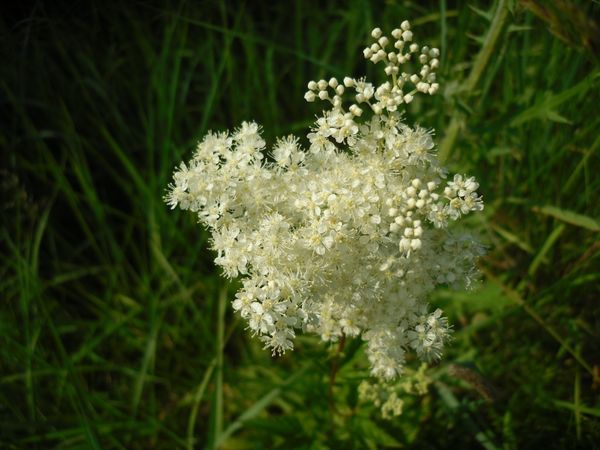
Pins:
<point x="484" y="437"/>
<point x="258" y="407"/>
<point x="547" y="106"/>
<point x="190" y="440"/>
<point x="218" y="408"/>
<point x="594" y="412"/>
<point x="515" y="297"/>
<point x="569" y="217"/>
<point x="481" y="61"/>
<point x="541" y="255"/>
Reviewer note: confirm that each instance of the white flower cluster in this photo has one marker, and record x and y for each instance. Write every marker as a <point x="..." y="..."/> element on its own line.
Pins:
<point x="348" y="237"/>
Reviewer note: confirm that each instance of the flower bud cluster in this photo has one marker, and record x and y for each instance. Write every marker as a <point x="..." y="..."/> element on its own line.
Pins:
<point x="393" y="93"/>
<point x="388" y="396"/>
<point x="347" y="237"/>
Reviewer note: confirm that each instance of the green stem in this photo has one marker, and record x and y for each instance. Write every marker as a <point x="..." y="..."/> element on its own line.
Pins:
<point x="515" y="297"/>
<point x="218" y="425"/>
<point x="481" y="61"/>
<point x="334" y="370"/>
<point x="190" y="441"/>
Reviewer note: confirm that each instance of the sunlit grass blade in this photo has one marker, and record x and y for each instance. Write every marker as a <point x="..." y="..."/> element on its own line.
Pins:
<point x="190" y="439"/>
<point x="569" y="217"/>
<point x="258" y="407"/>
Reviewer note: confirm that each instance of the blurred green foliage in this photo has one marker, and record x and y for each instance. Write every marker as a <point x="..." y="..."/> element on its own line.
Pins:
<point x="114" y="325"/>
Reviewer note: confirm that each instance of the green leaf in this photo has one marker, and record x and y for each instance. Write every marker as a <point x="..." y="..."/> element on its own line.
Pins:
<point x="570" y="217"/>
<point x="372" y="432"/>
<point x="487" y="15"/>
<point x="584" y="409"/>
<point x="540" y="257"/>
<point x="512" y="238"/>
<point x="556" y="117"/>
<point x="487" y="297"/>
<point x="511" y="5"/>
<point x="258" y="406"/>
<point x="516" y="28"/>
<point x="545" y="108"/>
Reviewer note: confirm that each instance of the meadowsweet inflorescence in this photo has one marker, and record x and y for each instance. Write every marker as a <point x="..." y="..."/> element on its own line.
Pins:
<point x="349" y="237"/>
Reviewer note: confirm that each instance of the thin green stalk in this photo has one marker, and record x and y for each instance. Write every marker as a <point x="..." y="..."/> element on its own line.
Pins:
<point x="577" y="402"/>
<point x="196" y="405"/>
<point x="581" y="165"/>
<point x="261" y="404"/>
<point x="443" y="31"/>
<point x="218" y="411"/>
<point x="515" y="297"/>
<point x="479" y="65"/>
<point x="333" y="373"/>
<point x="548" y="244"/>
<point x="491" y="39"/>
<point x="483" y="436"/>
<point x="147" y="365"/>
